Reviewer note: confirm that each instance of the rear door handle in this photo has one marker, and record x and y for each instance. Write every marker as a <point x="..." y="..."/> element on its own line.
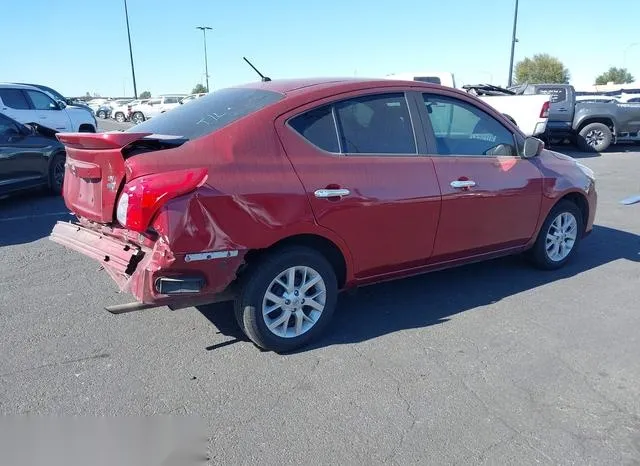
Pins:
<point x="327" y="193"/>
<point x="462" y="184"/>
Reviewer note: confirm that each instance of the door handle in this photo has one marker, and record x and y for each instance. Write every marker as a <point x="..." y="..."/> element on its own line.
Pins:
<point x="462" y="184"/>
<point x="327" y="193"/>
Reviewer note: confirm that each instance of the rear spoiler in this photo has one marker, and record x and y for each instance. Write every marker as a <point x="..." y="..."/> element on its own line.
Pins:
<point x="115" y="140"/>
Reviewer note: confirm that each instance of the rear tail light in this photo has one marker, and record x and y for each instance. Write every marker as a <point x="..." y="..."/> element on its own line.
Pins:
<point x="544" y="112"/>
<point x="142" y="197"/>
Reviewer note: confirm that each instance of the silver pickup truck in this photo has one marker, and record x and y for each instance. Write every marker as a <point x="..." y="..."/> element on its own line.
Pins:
<point x="593" y="126"/>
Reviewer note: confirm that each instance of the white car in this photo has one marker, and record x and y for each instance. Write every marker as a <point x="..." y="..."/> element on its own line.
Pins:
<point x="529" y="112"/>
<point x="121" y="113"/>
<point x="192" y="97"/>
<point x="28" y="104"/>
<point x="95" y="104"/>
<point x="154" y="107"/>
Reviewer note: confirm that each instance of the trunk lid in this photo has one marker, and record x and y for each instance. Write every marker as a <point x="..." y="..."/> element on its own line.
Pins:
<point x="94" y="172"/>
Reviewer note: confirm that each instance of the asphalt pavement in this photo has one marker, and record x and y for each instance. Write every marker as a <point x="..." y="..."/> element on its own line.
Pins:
<point x="493" y="363"/>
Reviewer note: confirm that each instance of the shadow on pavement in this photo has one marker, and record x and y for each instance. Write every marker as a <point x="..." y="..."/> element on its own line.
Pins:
<point x="433" y="298"/>
<point x="30" y="217"/>
<point x="574" y="152"/>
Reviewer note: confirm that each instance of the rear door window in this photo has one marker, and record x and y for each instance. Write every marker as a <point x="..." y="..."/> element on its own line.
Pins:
<point x="318" y="127"/>
<point x="377" y="124"/>
<point x="209" y="113"/>
<point x="14" y="98"/>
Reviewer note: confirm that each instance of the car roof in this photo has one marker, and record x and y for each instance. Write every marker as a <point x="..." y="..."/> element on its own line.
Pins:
<point x="18" y="86"/>
<point x="302" y="86"/>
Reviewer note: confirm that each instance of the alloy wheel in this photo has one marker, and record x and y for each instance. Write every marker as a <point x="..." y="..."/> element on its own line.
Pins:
<point x="58" y="173"/>
<point x="294" y="302"/>
<point x="594" y="137"/>
<point x="561" y="236"/>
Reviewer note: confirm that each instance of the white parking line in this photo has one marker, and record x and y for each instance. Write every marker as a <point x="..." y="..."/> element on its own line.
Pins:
<point x="26" y="217"/>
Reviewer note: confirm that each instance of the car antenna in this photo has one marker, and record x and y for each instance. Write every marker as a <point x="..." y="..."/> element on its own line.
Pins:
<point x="264" y="78"/>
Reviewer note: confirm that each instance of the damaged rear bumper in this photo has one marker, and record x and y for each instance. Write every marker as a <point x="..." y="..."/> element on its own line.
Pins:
<point x="154" y="275"/>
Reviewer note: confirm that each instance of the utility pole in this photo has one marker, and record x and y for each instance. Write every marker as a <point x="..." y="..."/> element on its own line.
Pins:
<point x="206" y="66"/>
<point x="133" y="71"/>
<point x="513" y="44"/>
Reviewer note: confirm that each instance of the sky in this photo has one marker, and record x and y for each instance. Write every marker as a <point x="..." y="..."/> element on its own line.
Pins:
<point x="79" y="46"/>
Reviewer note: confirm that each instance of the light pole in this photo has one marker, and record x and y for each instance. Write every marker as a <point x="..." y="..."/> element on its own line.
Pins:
<point x="513" y="44"/>
<point x="206" y="66"/>
<point x="133" y="71"/>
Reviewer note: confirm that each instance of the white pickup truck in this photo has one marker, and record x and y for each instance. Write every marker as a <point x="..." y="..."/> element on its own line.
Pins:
<point x="529" y="112"/>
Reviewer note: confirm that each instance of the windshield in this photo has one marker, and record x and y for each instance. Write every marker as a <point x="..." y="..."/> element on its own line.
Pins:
<point x="209" y="113"/>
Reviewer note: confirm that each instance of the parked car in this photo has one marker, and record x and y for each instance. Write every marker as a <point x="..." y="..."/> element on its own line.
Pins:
<point x="57" y="96"/>
<point x="593" y="126"/>
<point x="278" y="194"/>
<point x="154" y="107"/>
<point x="191" y="97"/>
<point x="30" y="157"/>
<point x="95" y="104"/>
<point x="122" y="112"/>
<point x="529" y="113"/>
<point x="104" y="111"/>
<point x="28" y="104"/>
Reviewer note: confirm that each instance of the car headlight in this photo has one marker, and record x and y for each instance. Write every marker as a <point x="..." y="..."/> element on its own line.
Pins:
<point x="591" y="176"/>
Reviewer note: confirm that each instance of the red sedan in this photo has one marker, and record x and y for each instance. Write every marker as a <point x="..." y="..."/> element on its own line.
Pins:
<point x="279" y="194"/>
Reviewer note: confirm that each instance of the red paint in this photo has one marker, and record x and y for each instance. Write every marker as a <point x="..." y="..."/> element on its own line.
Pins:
<point x="402" y="216"/>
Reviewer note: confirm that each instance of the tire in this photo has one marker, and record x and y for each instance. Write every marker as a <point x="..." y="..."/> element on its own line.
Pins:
<point x="120" y="117"/>
<point x="102" y="114"/>
<point x="304" y="323"/>
<point x="595" y="137"/>
<point x="86" y="129"/>
<point x="539" y="254"/>
<point x="56" y="173"/>
<point x="137" y="118"/>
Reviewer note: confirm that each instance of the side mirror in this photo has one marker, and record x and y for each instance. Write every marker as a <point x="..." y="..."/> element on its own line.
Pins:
<point x="532" y="147"/>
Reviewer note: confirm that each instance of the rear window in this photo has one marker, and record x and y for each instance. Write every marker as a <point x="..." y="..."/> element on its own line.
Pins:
<point x="208" y="113"/>
<point x="556" y="94"/>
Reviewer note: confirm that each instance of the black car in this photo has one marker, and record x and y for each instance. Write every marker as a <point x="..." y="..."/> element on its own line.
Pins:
<point x="30" y="157"/>
<point x="104" y="111"/>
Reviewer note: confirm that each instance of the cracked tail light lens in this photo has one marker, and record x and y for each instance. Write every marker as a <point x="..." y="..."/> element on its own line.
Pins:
<point x="142" y="197"/>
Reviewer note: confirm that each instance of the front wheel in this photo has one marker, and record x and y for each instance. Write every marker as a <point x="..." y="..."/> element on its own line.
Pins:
<point x="120" y="117"/>
<point x="286" y="299"/>
<point x="559" y="237"/>
<point x="102" y="114"/>
<point x="137" y="118"/>
<point x="595" y="137"/>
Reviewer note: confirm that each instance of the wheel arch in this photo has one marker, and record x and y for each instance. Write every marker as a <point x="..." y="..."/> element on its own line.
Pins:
<point x="87" y="128"/>
<point x="337" y="256"/>
<point x="608" y="122"/>
<point x="580" y="200"/>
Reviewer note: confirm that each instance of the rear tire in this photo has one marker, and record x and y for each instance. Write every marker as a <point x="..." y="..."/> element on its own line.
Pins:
<point x="137" y="118"/>
<point x="56" y="173"/>
<point x="559" y="237"/>
<point x="286" y="299"/>
<point x="120" y="117"/>
<point x="595" y="137"/>
<point x="86" y="129"/>
<point x="102" y="114"/>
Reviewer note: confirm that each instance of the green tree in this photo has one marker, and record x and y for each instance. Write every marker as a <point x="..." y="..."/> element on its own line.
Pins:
<point x="616" y="76"/>
<point x="541" y="69"/>
<point x="145" y="95"/>
<point x="199" y="89"/>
